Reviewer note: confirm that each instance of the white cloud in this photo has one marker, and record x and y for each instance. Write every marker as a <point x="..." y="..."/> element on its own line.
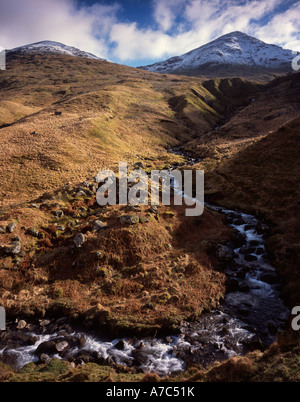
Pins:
<point x="205" y="20"/>
<point x="178" y="26"/>
<point x="27" y="21"/>
<point x="283" y="29"/>
<point x="166" y="11"/>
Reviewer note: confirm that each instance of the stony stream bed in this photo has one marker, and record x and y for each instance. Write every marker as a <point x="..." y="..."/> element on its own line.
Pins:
<point x="248" y="318"/>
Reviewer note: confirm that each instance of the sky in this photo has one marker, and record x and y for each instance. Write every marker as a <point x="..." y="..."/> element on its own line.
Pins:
<point x="141" y="32"/>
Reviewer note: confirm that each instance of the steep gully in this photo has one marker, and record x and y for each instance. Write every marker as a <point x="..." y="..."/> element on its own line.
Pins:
<point x="248" y="318"/>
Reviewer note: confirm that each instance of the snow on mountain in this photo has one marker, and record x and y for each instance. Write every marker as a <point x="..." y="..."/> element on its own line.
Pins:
<point x="52" y="47"/>
<point x="236" y="48"/>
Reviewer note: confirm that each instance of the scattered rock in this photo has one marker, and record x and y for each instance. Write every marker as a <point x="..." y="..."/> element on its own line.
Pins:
<point x="129" y="219"/>
<point x="98" y="225"/>
<point x="13" y="248"/>
<point x="153" y="209"/>
<point x="120" y="345"/>
<point x="254" y="343"/>
<point x="9" y="358"/>
<point x="44" y="358"/>
<point x="44" y="323"/>
<point x="11" y="227"/>
<point x="99" y="254"/>
<point x="33" y="232"/>
<point x="79" y="240"/>
<point x="239" y="222"/>
<point x="58" y="213"/>
<point x="21" y="324"/>
<point x="61" y="346"/>
<point x="48" y="347"/>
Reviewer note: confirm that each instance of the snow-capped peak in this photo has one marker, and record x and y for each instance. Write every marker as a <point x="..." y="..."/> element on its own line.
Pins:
<point x="235" y="48"/>
<point x="53" y="47"/>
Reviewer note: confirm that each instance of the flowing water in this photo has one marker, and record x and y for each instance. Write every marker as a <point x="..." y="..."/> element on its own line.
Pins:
<point x="249" y="317"/>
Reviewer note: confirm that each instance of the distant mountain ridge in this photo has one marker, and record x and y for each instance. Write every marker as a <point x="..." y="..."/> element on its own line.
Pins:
<point x="233" y="51"/>
<point x="52" y="47"/>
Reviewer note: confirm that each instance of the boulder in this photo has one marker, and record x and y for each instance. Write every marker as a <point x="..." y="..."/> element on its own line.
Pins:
<point x="44" y="358"/>
<point x="129" y="219"/>
<point x="48" y="347"/>
<point x="254" y="343"/>
<point x="9" y="357"/>
<point x="120" y="345"/>
<point x="33" y="232"/>
<point x="98" y="225"/>
<point x="79" y="240"/>
<point x="13" y="248"/>
<point x="61" y="346"/>
<point x="11" y="227"/>
<point x="21" y="324"/>
<point x="153" y="209"/>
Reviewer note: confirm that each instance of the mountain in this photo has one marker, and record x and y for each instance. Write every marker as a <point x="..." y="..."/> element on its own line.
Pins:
<point x="52" y="47"/>
<point x="233" y="54"/>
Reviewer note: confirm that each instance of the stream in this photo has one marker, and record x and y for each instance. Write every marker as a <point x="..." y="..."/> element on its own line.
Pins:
<point x="248" y="318"/>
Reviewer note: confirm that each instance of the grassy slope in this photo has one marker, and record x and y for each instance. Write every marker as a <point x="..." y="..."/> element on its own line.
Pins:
<point x="108" y="113"/>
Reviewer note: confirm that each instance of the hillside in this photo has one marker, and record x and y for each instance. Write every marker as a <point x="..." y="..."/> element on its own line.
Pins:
<point x="64" y="118"/>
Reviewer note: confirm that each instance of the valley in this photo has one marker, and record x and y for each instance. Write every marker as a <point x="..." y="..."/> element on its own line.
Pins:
<point x="140" y="271"/>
